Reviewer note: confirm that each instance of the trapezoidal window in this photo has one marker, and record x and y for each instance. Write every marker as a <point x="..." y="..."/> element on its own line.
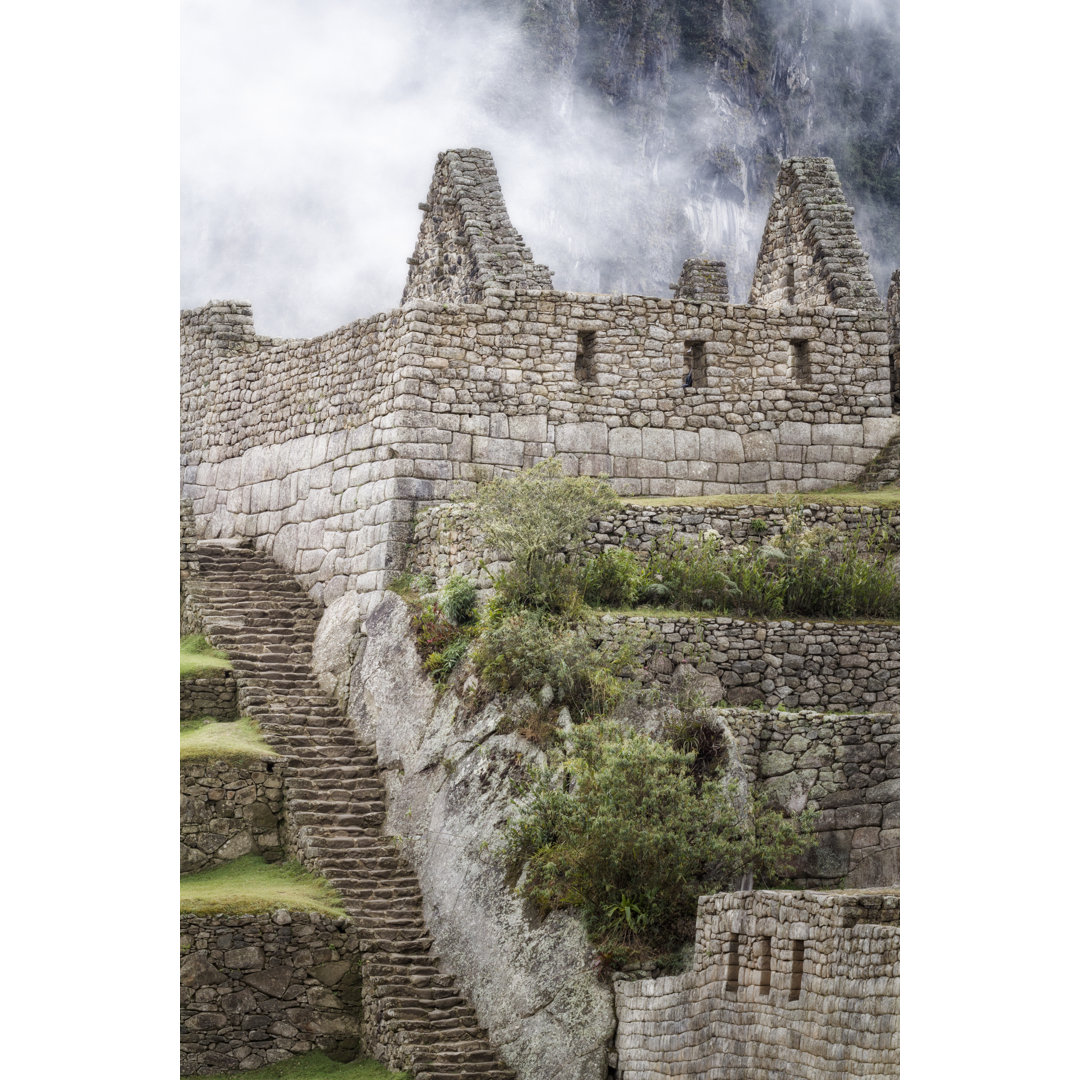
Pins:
<point x="585" y="361"/>
<point x="764" y="965"/>
<point x="731" y="980"/>
<point x="797" y="953"/>
<point x="694" y="355"/>
<point x="800" y="360"/>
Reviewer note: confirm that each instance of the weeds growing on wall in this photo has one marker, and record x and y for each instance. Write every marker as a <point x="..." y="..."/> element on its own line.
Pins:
<point x="444" y="625"/>
<point x="621" y="828"/>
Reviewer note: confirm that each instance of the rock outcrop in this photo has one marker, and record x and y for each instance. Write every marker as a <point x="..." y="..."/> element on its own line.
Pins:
<point x="450" y="773"/>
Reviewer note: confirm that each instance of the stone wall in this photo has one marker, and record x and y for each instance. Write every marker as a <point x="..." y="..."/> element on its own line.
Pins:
<point x="467" y="242"/>
<point x="212" y="694"/>
<point x="799" y="985"/>
<point x="810" y="252"/>
<point x="189" y="567"/>
<point x="255" y="989"/>
<point x="319" y="449"/>
<point x="892" y="310"/>
<point x="229" y="809"/>
<point x="443" y="546"/>
<point x="702" y="279"/>
<point x="846" y="767"/>
<point x="825" y="665"/>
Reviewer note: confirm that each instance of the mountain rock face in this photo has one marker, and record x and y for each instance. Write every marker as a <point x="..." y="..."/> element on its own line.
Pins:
<point x="706" y="98"/>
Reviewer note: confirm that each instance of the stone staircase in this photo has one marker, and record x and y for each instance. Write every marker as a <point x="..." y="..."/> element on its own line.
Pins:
<point x="414" y="1018"/>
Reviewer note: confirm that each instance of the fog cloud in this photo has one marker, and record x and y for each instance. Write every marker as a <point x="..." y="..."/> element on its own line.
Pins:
<point x="310" y="131"/>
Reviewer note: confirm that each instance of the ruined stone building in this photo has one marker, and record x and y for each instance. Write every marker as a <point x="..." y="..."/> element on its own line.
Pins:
<point x="331" y="458"/>
<point x="320" y="449"/>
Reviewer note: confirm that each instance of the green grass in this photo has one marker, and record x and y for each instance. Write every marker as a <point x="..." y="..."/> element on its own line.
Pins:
<point x="842" y="495"/>
<point x="678" y="613"/>
<point x="315" y="1066"/>
<point x="238" y="740"/>
<point x="250" y="885"/>
<point x="198" y="656"/>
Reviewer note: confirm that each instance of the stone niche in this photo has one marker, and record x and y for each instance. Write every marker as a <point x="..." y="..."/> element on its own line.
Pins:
<point x="800" y="985"/>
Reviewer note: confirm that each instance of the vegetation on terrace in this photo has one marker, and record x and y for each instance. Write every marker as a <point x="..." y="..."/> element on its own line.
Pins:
<point x="627" y="829"/>
<point x="250" y="886"/>
<point x="198" y="656"/>
<point x="316" y="1066"/>
<point x="209" y="740"/>
<point x="841" y="495"/>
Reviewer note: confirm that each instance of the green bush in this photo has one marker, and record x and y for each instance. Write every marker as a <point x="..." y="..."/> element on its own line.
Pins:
<point x="538" y="521"/>
<point x="524" y="651"/>
<point x="458" y="599"/>
<point x="614" y="578"/>
<point x="622" y="829"/>
<point x="812" y="572"/>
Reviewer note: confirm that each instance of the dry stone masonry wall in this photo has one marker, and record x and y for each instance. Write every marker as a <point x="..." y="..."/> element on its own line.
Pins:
<point x="319" y="449"/>
<point x="844" y="766"/>
<point x="212" y="694"/>
<point x="230" y="809"/>
<point x="824" y="665"/>
<point x="467" y="242"/>
<point x="810" y="252"/>
<point x="702" y="279"/>
<point x="257" y="989"/>
<point x="800" y="985"/>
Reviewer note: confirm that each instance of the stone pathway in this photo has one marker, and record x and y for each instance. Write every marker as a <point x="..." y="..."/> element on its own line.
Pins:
<point x="414" y="1017"/>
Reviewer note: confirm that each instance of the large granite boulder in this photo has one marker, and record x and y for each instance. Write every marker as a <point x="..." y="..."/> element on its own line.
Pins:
<point x="450" y="770"/>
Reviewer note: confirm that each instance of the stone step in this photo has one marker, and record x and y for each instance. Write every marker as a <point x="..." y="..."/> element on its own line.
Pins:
<point x="336" y="799"/>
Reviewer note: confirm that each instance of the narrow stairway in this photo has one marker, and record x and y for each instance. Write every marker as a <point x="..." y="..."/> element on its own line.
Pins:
<point x="334" y="798"/>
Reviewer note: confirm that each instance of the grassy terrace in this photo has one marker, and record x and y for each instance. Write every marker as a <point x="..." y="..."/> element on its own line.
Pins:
<point x="198" y="656"/>
<point x="250" y="886"/>
<point x="238" y="740"/>
<point x="679" y="613"/>
<point x="315" y="1066"/>
<point x="844" y="495"/>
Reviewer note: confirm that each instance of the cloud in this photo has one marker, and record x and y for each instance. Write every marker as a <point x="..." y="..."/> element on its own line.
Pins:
<point x="310" y="131"/>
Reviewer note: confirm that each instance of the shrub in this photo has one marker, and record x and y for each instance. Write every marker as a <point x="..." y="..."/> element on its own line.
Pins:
<point x="614" y="578"/>
<point x="441" y="664"/>
<point x="621" y="829"/>
<point x="538" y="520"/>
<point x="458" y="599"/>
<point x="433" y="632"/>
<point x="525" y="651"/>
<point x="806" y="572"/>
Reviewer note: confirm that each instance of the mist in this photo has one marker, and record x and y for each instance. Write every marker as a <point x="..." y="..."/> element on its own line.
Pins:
<point x="310" y="131"/>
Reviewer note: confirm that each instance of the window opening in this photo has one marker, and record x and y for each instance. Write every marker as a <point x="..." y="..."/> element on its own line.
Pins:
<point x="694" y="355"/>
<point x="765" y="969"/>
<point x="800" y="361"/>
<point x="584" y="364"/>
<point x="894" y="379"/>
<point x="732" y="978"/>
<point x="797" y="947"/>
<point x="789" y="280"/>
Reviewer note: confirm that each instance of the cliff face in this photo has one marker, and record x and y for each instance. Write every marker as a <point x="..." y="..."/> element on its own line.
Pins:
<point x="712" y="96"/>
